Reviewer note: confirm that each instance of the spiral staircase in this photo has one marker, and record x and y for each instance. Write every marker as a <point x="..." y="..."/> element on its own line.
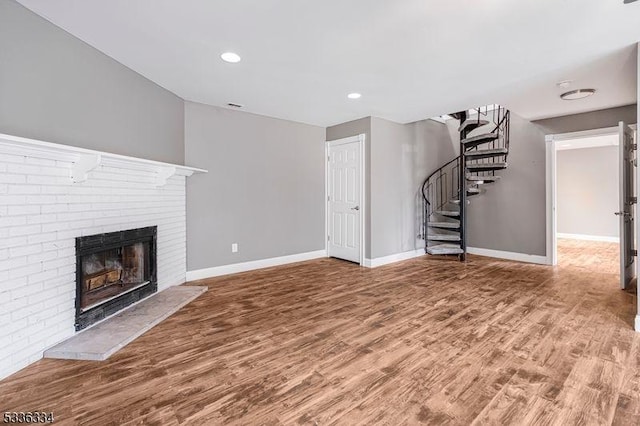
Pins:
<point x="484" y="147"/>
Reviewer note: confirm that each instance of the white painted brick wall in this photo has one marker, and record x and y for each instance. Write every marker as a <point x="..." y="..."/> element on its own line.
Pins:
<point x="41" y="213"/>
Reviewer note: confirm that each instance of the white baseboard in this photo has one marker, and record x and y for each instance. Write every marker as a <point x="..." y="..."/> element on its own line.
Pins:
<point x="638" y="323"/>
<point x="398" y="257"/>
<point x="588" y="237"/>
<point x="234" y="268"/>
<point x="519" y="257"/>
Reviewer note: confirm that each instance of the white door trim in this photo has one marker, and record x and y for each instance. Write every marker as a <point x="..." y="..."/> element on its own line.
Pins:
<point x="550" y="189"/>
<point x="551" y="183"/>
<point x="360" y="139"/>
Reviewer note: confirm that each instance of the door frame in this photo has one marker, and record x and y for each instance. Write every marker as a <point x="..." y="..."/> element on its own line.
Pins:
<point x="360" y="140"/>
<point x="551" y="182"/>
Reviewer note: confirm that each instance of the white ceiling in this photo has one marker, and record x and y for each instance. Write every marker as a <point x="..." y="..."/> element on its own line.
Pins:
<point x="410" y="59"/>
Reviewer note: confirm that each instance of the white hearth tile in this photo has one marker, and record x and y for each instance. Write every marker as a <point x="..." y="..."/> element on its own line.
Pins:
<point x="104" y="339"/>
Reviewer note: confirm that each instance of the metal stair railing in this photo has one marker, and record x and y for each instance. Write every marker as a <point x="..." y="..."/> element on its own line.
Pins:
<point x="442" y="186"/>
<point x="449" y="182"/>
<point x="500" y="118"/>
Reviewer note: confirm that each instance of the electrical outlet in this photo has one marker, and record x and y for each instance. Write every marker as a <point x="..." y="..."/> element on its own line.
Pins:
<point x="234" y="248"/>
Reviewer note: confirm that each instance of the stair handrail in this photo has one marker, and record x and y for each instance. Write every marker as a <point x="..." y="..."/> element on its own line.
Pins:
<point x="427" y="206"/>
<point x="439" y="170"/>
<point x="501" y="128"/>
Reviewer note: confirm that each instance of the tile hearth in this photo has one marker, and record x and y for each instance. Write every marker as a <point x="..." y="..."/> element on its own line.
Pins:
<point x="106" y="338"/>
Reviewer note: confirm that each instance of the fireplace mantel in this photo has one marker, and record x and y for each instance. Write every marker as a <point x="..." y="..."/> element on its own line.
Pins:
<point x="84" y="160"/>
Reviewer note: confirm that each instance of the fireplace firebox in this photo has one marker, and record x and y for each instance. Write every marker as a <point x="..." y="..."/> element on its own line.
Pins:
<point x="113" y="271"/>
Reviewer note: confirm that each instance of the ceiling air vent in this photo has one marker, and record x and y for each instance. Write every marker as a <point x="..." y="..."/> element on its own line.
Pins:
<point x="232" y="105"/>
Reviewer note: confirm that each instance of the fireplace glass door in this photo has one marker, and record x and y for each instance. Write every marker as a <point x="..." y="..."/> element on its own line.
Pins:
<point x="110" y="273"/>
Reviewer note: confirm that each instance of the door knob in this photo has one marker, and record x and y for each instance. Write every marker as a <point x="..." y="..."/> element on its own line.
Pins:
<point x="355" y="208"/>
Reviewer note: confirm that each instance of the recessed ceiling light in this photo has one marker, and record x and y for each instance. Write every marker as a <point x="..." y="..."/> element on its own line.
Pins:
<point x="354" y="96"/>
<point x="564" y="83"/>
<point x="231" y="57"/>
<point x="577" y="94"/>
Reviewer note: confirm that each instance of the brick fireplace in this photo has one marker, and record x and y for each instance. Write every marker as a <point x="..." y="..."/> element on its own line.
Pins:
<point x="50" y="196"/>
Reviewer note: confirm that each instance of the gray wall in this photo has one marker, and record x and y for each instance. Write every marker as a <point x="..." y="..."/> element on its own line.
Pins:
<point x="354" y="128"/>
<point x="264" y="189"/>
<point x="588" y="193"/>
<point x="511" y="215"/>
<point x="350" y="128"/>
<point x="398" y="158"/>
<point x="589" y="120"/>
<point x="402" y="156"/>
<point x="56" y="88"/>
<point x="393" y="214"/>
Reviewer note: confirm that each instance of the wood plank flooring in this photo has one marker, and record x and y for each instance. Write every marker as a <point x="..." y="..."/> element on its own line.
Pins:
<point x="425" y="341"/>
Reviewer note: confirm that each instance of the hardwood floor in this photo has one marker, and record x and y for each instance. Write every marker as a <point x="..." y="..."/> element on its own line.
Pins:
<point x="325" y="342"/>
<point x="590" y="255"/>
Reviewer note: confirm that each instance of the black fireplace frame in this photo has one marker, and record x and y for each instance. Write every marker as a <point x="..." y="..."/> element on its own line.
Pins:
<point x="97" y="243"/>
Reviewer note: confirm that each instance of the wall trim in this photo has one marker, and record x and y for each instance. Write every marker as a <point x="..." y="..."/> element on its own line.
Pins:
<point x="508" y="255"/>
<point x="216" y="271"/>
<point x="638" y="323"/>
<point x="605" y="131"/>
<point x="393" y="258"/>
<point x="551" y="171"/>
<point x="586" y="237"/>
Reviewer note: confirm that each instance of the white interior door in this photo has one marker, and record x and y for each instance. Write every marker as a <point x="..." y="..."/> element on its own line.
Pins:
<point x="344" y="198"/>
<point x="627" y="202"/>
